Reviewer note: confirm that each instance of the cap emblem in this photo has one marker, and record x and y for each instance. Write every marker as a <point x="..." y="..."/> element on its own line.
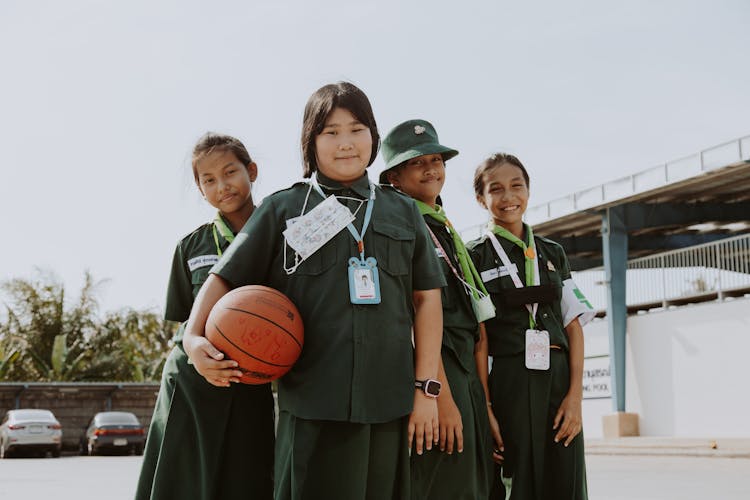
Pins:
<point x="419" y="129"/>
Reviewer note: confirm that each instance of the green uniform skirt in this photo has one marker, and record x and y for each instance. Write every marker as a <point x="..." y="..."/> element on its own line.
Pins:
<point x="317" y="459"/>
<point x="460" y="476"/>
<point x="207" y="442"/>
<point x="525" y="403"/>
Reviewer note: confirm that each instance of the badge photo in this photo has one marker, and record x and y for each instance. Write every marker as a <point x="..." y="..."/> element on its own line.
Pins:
<point x="364" y="281"/>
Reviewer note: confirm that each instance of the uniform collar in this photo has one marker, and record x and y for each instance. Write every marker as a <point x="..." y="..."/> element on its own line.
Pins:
<point x="361" y="186"/>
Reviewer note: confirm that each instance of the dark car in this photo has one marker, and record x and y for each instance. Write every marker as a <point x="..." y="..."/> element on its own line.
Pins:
<point x="32" y="430"/>
<point x="114" y="432"/>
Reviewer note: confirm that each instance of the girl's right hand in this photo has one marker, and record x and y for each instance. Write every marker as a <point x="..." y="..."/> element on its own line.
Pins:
<point x="209" y="361"/>
<point x="497" y="453"/>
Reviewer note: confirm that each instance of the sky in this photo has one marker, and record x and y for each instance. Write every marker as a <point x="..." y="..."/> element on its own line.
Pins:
<point x="101" y="103"/>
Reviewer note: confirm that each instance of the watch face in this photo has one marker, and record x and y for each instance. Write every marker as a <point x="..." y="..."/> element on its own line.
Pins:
<point x="432" y="387"/>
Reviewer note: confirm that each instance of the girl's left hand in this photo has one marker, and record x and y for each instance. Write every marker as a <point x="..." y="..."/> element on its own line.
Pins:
<point x="569" y="415"/>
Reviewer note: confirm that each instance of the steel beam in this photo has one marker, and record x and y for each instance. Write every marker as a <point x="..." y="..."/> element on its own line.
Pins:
<point x="615" y="253"/>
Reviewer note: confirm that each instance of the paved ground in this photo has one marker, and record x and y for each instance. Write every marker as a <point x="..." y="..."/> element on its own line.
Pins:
<point x="611" y="477"/>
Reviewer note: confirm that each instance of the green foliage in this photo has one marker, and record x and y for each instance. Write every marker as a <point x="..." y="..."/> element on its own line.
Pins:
<point x="43" y="340"/>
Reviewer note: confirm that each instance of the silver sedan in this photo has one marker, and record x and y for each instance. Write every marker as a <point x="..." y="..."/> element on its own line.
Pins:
<point x="36" y="431"/>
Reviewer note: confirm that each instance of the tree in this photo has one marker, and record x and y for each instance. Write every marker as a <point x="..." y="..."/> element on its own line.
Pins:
<point x="42" y="340"/>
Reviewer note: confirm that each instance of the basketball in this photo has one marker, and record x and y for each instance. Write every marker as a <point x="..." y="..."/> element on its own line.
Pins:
<point x="258" y="327"/>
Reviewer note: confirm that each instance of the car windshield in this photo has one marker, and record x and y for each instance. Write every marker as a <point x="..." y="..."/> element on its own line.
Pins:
<point x="117" y="418"/>
<point x="38" y="415"/>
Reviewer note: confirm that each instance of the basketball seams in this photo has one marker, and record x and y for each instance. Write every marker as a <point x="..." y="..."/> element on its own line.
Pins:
<point x="216" y="327"/>
<point x="237" y="309"/>
<point x="263" y="289"/>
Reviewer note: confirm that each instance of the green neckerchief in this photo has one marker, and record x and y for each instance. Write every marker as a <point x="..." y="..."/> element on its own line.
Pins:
<point x="467" y="266"/>
<point x="222" y="227"/>
<point x="529" y="251"/>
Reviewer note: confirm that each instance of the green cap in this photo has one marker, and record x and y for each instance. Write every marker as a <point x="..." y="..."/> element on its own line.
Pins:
<point x="409" y="140"/>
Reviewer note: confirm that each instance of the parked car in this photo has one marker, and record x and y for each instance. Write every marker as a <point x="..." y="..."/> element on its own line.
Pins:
<point x="113" y="431"/>
<point x="36" y="431"/>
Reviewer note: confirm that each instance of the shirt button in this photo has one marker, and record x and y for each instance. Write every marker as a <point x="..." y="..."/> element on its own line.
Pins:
<point x="544" y="315"/>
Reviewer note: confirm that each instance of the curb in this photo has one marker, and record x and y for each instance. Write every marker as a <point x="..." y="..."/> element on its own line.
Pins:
<point x="719" y="448"/>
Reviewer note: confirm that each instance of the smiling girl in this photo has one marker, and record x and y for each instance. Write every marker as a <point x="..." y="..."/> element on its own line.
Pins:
<point x="535" y="340"/>
<point x="199" y="435"/>
<point x="350" y="407"/>
<point x="460" y="469"/>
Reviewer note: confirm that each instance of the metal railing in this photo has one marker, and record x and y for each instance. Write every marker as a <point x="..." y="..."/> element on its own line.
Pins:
<point x="728" y="153"/>
<point x="702" y="272"/>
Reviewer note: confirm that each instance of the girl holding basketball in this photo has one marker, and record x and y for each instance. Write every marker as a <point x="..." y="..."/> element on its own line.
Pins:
<point x="360" y="394"/>
<point x="461" y="468"/>
<point x="200" y="434"/>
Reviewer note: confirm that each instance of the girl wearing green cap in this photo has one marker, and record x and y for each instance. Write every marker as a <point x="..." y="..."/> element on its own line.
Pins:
<point x="535" y="340"/>
<point x="460" y="469"/>
<point x="198" y="441"/>
<point x="359" y="393"/>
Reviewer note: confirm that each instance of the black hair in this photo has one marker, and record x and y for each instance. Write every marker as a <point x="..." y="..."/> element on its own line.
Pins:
<point x="324" y="100"/>
<point x="211" y="141"/>
<point x="496" y="160"/>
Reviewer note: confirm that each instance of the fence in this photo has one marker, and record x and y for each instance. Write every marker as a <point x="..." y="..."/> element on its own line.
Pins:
<point x="703" y="272"/>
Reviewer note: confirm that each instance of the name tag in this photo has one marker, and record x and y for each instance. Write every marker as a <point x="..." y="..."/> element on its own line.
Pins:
<point x="498" y="272"/>
<point x="202" y="261"/>
<point x="537" y="349"/>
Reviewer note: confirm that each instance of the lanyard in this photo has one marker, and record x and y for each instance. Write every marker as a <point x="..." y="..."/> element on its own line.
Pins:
<point x="226" y="233"/>
<point x="358" y="237"/>
<point x="514" y="275"/>
<point x="444" y="255"/>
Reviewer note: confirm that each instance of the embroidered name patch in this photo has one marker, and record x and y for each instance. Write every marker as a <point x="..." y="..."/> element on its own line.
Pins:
<point x="497" y="272"/>
<point x="202" y="261"/>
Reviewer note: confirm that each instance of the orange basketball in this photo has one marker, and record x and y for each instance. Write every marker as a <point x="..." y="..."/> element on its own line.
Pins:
<point x="258" y="327"/>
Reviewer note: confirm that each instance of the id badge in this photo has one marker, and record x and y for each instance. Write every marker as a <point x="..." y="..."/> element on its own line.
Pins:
<point x="537" y="349"/>
<point x="364" y="282"/>
<point x="307" y="233"/>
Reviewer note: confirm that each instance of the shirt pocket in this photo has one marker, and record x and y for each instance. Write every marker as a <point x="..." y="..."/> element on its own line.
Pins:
<point x="393" y="247"/>
<point x="319" y="262"/>
<point x="198" y="277"/>
<point x="495" y="289"/>
<point x="447" y="295"/>
<point x="549" y="277"/>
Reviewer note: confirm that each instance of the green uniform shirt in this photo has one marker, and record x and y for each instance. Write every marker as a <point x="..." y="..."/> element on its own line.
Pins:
<point x="193" y="258"/>
<point x="357" y="363"/>
<point x="506" y="331"/>
<point x="460" y="327"/>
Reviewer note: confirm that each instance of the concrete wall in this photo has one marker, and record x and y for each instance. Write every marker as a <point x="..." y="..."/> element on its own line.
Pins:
<point x="74" y="404"/>
<point x="687" y="371"/>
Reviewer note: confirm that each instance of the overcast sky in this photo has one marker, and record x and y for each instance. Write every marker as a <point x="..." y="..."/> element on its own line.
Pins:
<point x="101" y="102"/>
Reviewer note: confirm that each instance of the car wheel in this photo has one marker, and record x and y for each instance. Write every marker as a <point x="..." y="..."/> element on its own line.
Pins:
<point x="138" y="449"/>
<point x="55" y="452"/>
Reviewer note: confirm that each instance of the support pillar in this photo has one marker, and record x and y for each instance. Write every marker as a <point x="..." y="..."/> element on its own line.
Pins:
<point x="615" y="253"/>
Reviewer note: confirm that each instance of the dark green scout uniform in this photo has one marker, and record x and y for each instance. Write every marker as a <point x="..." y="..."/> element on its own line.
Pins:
<point x="205" y="442"/>
<point x="467" y="475"/>
<point x="525" y="401"/>
<point x="342" y="426"/>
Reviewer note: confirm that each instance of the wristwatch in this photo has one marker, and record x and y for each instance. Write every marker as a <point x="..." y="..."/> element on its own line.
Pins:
<point x="430" y="387"/>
